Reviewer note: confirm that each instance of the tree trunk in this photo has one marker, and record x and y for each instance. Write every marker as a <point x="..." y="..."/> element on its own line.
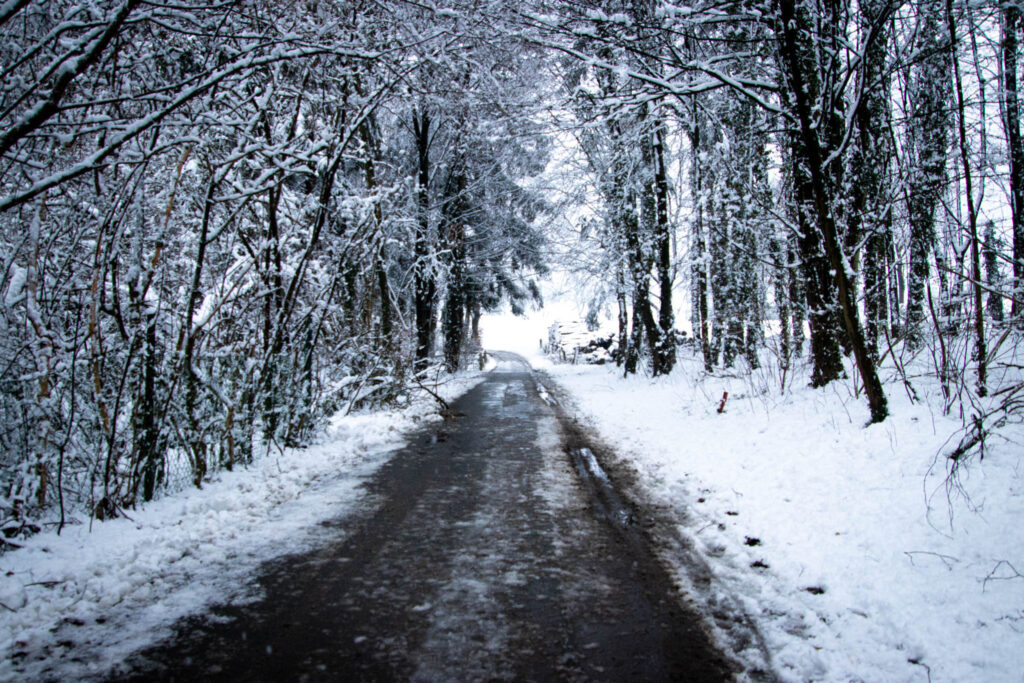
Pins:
<point x="623" y="317"/>
<point x="930" y="95"/>
<point x="793" y="27"/>
<point x="380" y="270"/>
<point x="698" y="269"/>
<point x="455" y="247"/>
<point x="972" y="215"/>
<point x="1011" y="25"/>
<point x="646" y="233"/>
<point x="425" y="285"/>
<point x="150" y="453"/>
<point x="663" y="241"/>
<point x="827" y="363"/>
<point x="721" y="277"/>
<point x="782" y="302"/>
<point x="870" y="212"/>
<point x="990" y="250"/>
<point x="797" y="298"/>
<point x="186" y="344"/>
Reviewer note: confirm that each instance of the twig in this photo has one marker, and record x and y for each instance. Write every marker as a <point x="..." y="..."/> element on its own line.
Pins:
<point x="900" y="368"/>
<point x="944" y="365"/>
<point x="706" y="526"/>
<point x="973" y="437"/>
<point x="947" y="560"/>
<point x="928" y="669"/>
<point x="424" y="387"/>
<point x="992" y="577"/>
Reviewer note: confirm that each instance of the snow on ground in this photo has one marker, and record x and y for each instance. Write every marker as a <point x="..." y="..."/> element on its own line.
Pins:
<point x="74" y="604"/>
<point x="840" y="541"/>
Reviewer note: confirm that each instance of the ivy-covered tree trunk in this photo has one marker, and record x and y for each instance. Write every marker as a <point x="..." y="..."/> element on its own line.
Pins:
<point x="990" y="250"/>
<point x="930" y="94"/>
<point x="870" y="213"/>
<point x="826" y="359"/>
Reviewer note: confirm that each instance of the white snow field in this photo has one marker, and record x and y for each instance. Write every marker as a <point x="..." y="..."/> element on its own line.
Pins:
<point x="74" y="604"/>
<point x="844" y="543"/>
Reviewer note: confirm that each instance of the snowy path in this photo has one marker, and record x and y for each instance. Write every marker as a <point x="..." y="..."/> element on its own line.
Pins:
<point x="483" y="560"/>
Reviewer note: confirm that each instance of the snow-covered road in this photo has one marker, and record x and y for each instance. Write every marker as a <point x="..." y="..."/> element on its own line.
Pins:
<point x="480" y="560"/>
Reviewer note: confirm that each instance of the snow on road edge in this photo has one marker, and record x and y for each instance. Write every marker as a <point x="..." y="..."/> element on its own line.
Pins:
<point x="835" y="538"/>
<point x="73" y="605"/>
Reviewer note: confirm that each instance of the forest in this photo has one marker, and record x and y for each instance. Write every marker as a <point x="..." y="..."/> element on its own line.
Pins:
<point x="224" y="221"/>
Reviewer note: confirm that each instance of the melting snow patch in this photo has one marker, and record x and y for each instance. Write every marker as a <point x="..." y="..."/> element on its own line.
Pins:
<point x="592" y="465"/>
<point x="544" y="395"/>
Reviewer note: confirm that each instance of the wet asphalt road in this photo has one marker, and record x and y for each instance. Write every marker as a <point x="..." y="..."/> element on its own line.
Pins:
<point x="487" y="559"/>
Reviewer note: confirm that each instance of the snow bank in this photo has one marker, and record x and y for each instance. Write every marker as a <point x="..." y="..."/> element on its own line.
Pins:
<point x="74" y="604"/>
<point x="839" y="540"/>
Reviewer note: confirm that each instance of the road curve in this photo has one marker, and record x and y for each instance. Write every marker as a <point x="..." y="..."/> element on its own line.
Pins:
<point x="490" y="556"/>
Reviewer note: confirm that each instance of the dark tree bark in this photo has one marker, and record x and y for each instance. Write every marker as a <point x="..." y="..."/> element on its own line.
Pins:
<point x="931" y="89"/>
<point x="797" y="299"/>
<point x="698" y="269"/>
<point x="1011" y="26"/>
<point x="990" y="250"/>
<point x="150" y="453"/>
<point x="64" y="79"/>
<point x="425" y="285"/>
<point x="972" y="215"/>
<point x="641" y="235"/>
<point x="870" y="214"/>
<point x="750" y="289"/>
<point x="721" y="271"/>
<point x="826" y="359"/>
<point x="454" y="316"/>
<point x="793" y="29"/>
<point x="453" y="232"/>
<point x="625" y="228"/>
<point x="623" y="316"/>
<point x="782" y="302"/>
<point x="812" y="286"/>
<point x="372" y="149"/>
<point x="187" y="344"/>
<point x="639" y="269"/>
<point x="663" y="241"/>
<point x="386" y="314"/>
